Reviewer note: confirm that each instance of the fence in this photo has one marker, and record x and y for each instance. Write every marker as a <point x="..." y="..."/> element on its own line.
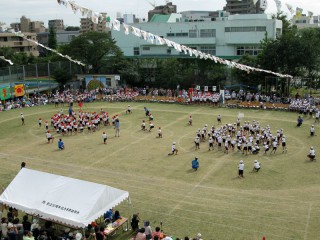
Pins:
<point x="35" y="77"/>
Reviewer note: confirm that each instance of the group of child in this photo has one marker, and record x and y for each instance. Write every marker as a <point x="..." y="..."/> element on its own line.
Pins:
<point x="247" y="138"/>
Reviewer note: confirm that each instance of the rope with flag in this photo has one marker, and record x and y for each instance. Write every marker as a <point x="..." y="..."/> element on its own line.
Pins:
<point x="20" y="34"/>
<point x="7" y="60"/>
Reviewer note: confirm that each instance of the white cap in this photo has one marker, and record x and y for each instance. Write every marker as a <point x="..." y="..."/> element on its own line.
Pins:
<point x="78" y="236"/>
<point x="311" y="147"/>
<point x="255" y="161"/>
<point x="174" y="143"/>
<point x="241" y="161"/>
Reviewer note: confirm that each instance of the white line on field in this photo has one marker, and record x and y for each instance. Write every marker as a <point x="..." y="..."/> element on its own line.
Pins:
<point x="308" y="220"/>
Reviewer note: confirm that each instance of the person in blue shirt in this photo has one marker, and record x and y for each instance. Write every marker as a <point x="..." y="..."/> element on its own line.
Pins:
<point x="108" y="215"/>
<point x="60" y="144"/>
<point x="147" y="111"/>
<point x="300" y="120"/>
<point x="195" y="164"/>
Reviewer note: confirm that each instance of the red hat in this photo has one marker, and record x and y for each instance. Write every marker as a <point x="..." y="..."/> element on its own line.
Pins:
<point x="94" y="224"/>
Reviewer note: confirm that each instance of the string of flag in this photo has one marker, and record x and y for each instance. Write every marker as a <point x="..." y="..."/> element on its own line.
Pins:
<point x="293" y="11"/>
<point x="7" y="60"/>
<point x="20" y="34"/>
<point x="157" y="40"/>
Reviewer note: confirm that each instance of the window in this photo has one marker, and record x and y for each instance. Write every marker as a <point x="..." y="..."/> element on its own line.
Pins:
<point x="248" y="50"/>
<point x="261" y="29"/>
<point x="136" y="51"/>
<point x="192" y="33"/>
<point x="206" y="33"/>
<point x="146" y="48"/>
<point x="170" y="34"/>
<point x="246" y="29"/>
<point x="169" y="51"/>
<point x="182" y="34"/>
<point x="209" y="49"/>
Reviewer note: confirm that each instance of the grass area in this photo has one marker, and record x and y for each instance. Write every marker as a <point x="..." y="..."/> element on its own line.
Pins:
<point x="280" y="202"/>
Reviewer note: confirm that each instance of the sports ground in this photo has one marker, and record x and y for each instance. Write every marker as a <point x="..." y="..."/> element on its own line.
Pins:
<point x="279" y="202"/>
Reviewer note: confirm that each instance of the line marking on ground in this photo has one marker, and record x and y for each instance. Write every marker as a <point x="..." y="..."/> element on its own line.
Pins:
<point x="308" y="221"/>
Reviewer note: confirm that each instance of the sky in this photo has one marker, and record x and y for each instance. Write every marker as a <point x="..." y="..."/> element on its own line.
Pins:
<point x="43" y="10"/>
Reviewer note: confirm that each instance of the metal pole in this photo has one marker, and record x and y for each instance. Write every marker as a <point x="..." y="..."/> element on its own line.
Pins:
<point x="24" y="78"/>
<point x="49" y="70"/>
<point x="10" y="82"/>
<point x="37" y="75"/>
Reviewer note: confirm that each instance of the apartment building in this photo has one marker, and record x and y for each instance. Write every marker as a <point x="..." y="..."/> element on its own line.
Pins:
<point x="18" y="44"/>
<point x="245" y="6"/>
<point x="56" y="24"/>
<point x="87" y="25"/>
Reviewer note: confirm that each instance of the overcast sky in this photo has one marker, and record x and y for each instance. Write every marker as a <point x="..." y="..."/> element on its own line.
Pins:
<point x="43" y="10"/>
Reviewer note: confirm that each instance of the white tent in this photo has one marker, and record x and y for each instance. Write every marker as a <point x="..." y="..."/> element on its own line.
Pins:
<point x="60" y="199"/>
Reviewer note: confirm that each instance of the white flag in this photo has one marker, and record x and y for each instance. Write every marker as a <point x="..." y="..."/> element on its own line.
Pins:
<point x="116" y="25"/>
<point x="126" y="29"/>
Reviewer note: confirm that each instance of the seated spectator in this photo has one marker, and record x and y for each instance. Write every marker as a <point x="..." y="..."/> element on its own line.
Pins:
<point x="140" y="235"/>
<point x="28" y="235"/>
<point x="116" y="216"/>
<point x="157" y="234"/>
<point x="108" y="215"/>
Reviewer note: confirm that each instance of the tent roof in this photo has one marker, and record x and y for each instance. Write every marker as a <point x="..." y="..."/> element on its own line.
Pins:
<point x="61" y="199"/>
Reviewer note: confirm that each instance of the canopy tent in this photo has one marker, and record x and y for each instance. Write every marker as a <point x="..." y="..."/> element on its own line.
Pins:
<point x="60" y="199"/>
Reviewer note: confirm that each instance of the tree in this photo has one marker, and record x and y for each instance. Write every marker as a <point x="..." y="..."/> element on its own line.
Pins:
<point x="52" y="42"/>
<point x="62" y="76"/>
<point x="296" y="53"/>
<point x="97" y="50"/>
<point x="8" y="53"/>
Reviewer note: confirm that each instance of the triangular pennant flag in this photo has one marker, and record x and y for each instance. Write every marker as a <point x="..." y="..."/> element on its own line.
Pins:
<point x="125" y="28"/>
<point x="116" y="25"/>
<point x="168" y="42"/>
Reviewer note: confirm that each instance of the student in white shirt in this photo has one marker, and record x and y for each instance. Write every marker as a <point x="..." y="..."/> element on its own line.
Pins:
<point x="274" y="146"/>
<point x="104" y="137"/>
<point x="174" y="150"/>
<point x="241" y="168"/>
<point x="256" y="166"/>
<point x="312" y="131"/>
<point x="312" y="154"/>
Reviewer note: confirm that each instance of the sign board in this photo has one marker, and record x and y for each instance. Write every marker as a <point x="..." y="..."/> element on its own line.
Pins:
<point x="206" y="88"/>
<point x="117" y="77"/>
<point x="214" y="88"/>
<point x="198" y="87"/>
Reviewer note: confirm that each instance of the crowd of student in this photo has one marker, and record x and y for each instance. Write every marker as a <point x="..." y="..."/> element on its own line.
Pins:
<point x="12" y="229"/>
<point x="130" y="94"/>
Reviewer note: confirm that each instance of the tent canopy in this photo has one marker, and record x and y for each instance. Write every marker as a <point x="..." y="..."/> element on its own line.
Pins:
<point x="60" y="199"/>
